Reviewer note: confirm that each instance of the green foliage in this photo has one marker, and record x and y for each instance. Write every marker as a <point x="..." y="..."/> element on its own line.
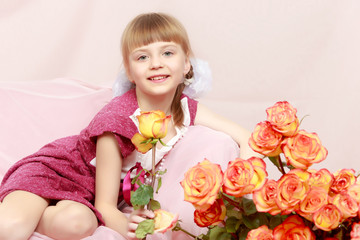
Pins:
<point x="219" y="233"/>
<point x="145" y="227"/>
<point x="154" y="205"/>
<point x="142" y="196"/>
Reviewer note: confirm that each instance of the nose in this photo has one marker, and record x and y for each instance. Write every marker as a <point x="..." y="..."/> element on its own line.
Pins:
<point x="156" y="63"/>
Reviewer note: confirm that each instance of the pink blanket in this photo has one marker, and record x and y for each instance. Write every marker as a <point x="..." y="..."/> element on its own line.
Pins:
<point x="32" y="114"/>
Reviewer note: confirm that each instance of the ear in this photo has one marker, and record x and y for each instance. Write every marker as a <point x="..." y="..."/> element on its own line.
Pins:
<point x="187" y="65"/>
<point x="128" y="75"/>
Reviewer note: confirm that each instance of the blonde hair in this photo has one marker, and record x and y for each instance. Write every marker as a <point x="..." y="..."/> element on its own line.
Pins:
<point x="152" y="27"/>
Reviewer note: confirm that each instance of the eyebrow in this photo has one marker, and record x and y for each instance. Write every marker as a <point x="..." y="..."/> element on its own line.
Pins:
<point x="140" y="49"/>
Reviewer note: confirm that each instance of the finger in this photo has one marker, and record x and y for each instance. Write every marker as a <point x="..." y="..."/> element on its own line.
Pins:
<point x="131" y="236"/>
<point x="132" y="226"/>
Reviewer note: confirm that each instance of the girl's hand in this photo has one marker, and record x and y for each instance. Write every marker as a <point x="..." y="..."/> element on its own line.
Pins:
<point x="135" y="218"/>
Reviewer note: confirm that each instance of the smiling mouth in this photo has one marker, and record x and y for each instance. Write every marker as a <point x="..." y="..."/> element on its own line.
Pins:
<point x="158" y="78"/>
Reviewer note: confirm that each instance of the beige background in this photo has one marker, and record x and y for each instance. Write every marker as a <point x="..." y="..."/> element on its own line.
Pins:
<point x="260" y="52"/>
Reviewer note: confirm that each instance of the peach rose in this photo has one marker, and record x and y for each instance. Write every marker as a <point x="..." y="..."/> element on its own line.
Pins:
<point x="315" y="199"/>
<point x="303" y="150"/>
<point x="282" y="117"/>
<point x="202" y="184"/>
<point x="244" y="176"/>
<point x="293" y="228"/>
<point x="355" y="232"/>
<point x="292" y="189"/>
<point x="164" y="221"/>
<point x="152" y="125"/>
<point x="354" y="192"/>
<point x="265" y="198"/>
<point x="344" y="178"/>
<point x="321" y="178"/>
<point x="261" y="233"/>
<point x="214" y="215"/>
<point x="265" y="140"/>
<point x="328" y="217"/>
<point x="346" y="204"/>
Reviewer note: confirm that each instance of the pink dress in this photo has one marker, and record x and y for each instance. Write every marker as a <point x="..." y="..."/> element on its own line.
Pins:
<point x="61" y="170"/>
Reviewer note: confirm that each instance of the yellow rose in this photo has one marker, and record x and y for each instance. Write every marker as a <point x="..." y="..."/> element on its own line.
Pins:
<point x="328" y="217"/>
<point x="303" y="150"/>
<point x="321" y="178"/>
<point x="265" y="198"/>
<point x="265" y="140"/>
<point x="293" y="228"/>
<point x="282" y="117"/>
<point x="152" y="125"/>
<point x="214" y="215"/>
<point x="292" y="189"/>
<point x="244" y="176"/>
<point x="262" y="233"/>
<point x="164" y="221"/>
<point x="202" y="184"/>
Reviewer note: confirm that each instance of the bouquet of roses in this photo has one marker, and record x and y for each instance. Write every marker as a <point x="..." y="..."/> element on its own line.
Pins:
<point x="243" y="203"/>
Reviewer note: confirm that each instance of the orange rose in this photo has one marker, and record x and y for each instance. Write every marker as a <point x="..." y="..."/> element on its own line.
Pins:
<point x="315" y="199"/>
<point x="292" y="189"/>
<point x="355" y="232"/>
<point x="328" y="217"/>
<point x="282" y="117"/>
<point x="202" y="184"/>
<point x="346" y="204"/>
<point x="265" y="140"/>
<point x="293" y="228"/>
<point x="303" y="150"/>
<point x="164" y="221"/>
<point x="152" y="125"/>
<point x="244" y="176"/>
<point x="321" y="178"/>
<point x="214" y="215"/>
<point x="262" y="233"/>
<point x="265" y="198"/>
<point x="344" y="178"/>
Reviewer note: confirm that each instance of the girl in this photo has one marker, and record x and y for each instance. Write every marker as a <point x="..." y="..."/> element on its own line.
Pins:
<point x="55" y="191"/>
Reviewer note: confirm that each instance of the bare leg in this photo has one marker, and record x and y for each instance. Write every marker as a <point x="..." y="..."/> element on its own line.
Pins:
<point x="67" y="220"/>
<point x="20" y="213"/>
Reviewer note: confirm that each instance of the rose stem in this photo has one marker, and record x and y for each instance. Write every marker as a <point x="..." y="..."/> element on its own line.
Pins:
<point x="281" y="165"/>
<point x="152" y="171"/>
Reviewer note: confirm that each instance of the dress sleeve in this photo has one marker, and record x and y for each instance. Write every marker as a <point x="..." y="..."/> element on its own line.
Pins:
<point x="114" y="118"/>
<point x="192" y="109"/>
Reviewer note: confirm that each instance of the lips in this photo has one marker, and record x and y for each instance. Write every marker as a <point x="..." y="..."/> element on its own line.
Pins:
<point x="158" y="78"/>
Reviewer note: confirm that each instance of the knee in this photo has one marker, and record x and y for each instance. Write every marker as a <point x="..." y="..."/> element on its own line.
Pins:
<point x="76" y="222"/>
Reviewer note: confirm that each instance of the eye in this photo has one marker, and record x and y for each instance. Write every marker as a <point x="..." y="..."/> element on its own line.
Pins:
<point x="142" y="58"/>
<point x="168" y="53"/>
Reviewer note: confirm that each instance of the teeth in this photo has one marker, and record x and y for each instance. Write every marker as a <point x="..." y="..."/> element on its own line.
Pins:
<point x="157" y="78"/>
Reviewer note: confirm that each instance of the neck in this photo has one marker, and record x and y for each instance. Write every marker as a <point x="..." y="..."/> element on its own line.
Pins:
<point x="151" y="103"/>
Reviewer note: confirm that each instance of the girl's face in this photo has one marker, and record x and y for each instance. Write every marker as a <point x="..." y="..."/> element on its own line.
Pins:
<point x="158" y="68"/>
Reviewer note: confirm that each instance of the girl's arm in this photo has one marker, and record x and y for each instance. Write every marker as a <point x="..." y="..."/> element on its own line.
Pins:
<point x="108" y="177"/>
<point x="107" y="185"/>
<point x="208" y="118"/>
